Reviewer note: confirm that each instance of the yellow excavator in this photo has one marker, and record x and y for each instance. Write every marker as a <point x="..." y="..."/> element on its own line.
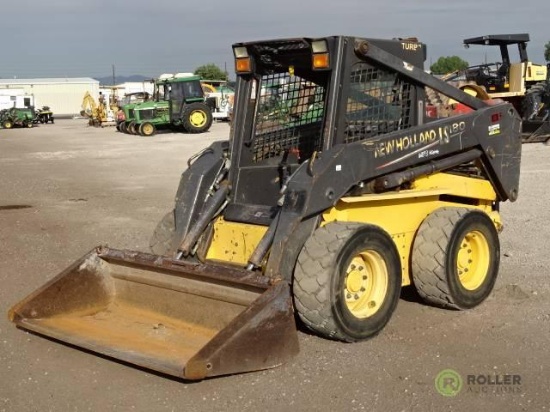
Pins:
<point x="333" y="190"/>
<point x="101" y="113"/>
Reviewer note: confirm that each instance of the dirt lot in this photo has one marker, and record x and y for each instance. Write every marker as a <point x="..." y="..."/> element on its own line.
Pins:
<point x="66" y="188"/>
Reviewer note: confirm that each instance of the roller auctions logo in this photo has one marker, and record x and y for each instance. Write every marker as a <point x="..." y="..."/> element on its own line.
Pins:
<point x="448" y="382"/>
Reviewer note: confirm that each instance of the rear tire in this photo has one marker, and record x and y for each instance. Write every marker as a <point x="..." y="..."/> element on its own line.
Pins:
<point x="197" y="118"/>
<point x="162" y="241"/>
<point x="455" y="258"/>
<point x="7" y="124"/>
<point x="347" y="281"/>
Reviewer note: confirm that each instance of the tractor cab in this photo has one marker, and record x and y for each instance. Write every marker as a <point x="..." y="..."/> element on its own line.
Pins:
<point x="507" y="77"/>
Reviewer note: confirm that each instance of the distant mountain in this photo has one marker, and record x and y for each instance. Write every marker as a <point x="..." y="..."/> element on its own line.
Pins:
<point x="108" y="80"/>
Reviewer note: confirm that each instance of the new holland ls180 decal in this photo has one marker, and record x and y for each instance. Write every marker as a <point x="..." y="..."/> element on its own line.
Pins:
<point x="422" y="144"/>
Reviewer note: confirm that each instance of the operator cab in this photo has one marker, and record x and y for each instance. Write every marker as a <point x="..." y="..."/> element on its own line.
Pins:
<point x="284" y="90"/>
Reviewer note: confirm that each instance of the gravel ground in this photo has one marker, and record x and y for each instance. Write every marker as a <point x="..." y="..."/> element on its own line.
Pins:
<point x="66" y="188"/>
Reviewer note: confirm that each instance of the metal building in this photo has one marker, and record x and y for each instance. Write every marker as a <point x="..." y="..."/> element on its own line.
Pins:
<point x="63" y="95"/>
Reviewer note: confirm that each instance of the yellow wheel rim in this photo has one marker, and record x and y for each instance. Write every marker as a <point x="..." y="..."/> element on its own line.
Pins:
<point x="147" y="129"/>
<point x="198" y="118"/>
<point x="473" y="260"/>
<point x="366" y="284"/>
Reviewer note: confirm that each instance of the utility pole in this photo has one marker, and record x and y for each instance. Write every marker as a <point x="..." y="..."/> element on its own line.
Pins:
<point x="114" y="77"/>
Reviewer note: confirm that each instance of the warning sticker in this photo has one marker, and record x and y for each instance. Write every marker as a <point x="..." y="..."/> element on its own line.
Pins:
<point x="494" y="129"/>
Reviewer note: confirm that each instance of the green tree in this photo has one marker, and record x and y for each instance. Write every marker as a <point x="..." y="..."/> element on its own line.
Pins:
<point x="211" y="72"/>
<point x="448" y="64"/>
<point x="547" y="52"/>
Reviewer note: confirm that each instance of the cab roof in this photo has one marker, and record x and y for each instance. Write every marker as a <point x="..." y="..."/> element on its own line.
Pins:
<point x="498" y="39"/>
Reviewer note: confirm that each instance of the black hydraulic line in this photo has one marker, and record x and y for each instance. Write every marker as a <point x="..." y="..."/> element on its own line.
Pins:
<point x="263" y="246"/>
<point x="397" y="179"/>
<point x="215" y="203"/>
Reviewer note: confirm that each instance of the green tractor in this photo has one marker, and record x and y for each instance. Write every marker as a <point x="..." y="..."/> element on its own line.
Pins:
<point x="21" y="117"/>
<point x="179" y="103"/>
<point x="126" y="106"/>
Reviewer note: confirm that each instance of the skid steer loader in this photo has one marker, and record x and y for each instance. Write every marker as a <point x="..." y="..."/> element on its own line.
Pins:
<point x="333" y="191"/>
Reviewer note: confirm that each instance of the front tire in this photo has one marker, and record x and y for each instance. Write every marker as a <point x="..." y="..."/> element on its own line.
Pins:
<point x="131" y="128"/>
<point x="147" y="129"/>
<point x="347" y="281"/>
<point x="455" y="258"/>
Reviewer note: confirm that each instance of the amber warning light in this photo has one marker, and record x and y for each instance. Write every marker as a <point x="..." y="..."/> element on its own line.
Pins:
<point x="243" y="62"/>
<point x="321" y="58"/>
<point x="243" y="65"/>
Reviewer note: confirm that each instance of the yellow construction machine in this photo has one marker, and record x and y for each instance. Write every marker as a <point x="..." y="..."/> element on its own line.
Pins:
<point x="333" y="191"/>
<point x="103" y="112"/>
<point x="521" y="82"/>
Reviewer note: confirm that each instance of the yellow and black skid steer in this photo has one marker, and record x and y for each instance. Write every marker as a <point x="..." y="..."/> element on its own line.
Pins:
<point x="333" y="191"/>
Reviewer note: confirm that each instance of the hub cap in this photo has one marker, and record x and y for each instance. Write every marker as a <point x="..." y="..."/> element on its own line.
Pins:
<point x="198" y="118"/>
<point x="473" y="260"/>
<point x="366" y="284"/>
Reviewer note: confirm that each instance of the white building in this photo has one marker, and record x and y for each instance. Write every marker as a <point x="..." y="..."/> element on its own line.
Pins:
<point x="63" y="95"/>
<point x="134" y="87"/>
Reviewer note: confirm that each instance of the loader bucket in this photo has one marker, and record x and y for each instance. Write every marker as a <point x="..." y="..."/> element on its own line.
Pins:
<point x="184" y="319"/>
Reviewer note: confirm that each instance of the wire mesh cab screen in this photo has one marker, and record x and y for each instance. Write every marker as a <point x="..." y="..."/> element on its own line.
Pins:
<point x="289" y="117"/>
<point x="379" y="102"/>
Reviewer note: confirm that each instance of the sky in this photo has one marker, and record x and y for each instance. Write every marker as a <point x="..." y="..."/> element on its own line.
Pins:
<point x="77" y="38"/>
